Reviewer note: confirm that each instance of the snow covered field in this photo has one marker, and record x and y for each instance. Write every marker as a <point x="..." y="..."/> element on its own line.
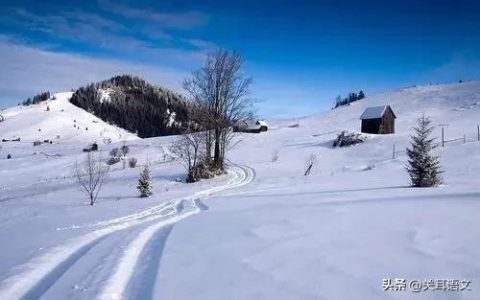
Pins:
<point x="263" y="231"/>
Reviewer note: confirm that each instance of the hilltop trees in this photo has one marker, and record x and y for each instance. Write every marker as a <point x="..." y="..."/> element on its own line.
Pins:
<point x="352" y="97"/>
<point x="423" y="167"/>
<point x="137" y="106"/>
<point x="37" y="99"/>
<point x="222" y="93"/>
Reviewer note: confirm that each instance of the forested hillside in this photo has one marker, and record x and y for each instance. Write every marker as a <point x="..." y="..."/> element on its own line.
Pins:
<point x="135" y="105"/>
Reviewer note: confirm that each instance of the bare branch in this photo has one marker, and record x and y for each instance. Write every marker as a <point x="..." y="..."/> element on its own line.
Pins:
<point x="90" y="175"/>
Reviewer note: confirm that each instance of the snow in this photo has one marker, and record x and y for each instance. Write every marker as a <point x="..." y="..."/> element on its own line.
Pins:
<point x="374" y="112"/>
<point x="262" y="231"/>
<point x="34" y="122"/>
<point x="262" y="123"/>
<point x="105" y="94"/>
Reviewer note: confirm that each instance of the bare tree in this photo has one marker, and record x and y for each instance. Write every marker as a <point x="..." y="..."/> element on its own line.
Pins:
<point x="310" y="161"/>
<point x="90" y="175"/>
<point x="189" y="148"/>
<point x="222" y="91"/>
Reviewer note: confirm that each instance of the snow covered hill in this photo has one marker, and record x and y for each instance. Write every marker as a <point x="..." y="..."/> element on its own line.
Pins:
<point x="63" y="121"/>
<point x="264" y="231"/>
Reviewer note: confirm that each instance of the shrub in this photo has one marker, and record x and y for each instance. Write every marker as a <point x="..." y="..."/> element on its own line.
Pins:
<point x="132" y="162"/>
<point x="115" y="152"/>
<point x="125" y="149"/>
<point x="347" y="139"/>
<point x="9" y="156"/>
<point x="113" y="160"/>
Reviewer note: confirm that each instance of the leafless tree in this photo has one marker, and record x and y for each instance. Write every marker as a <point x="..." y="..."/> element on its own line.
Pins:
<point x="222" y="92"/>
<point x="90" y="175"/>
<point x="310" y="161"/>
<point x="189" y="148"/>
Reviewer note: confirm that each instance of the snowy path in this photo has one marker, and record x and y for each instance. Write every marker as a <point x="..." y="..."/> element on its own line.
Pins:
<point x="107" y="259"/>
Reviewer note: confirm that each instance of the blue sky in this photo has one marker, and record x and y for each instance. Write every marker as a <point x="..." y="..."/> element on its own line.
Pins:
<point x="301" y="54"/>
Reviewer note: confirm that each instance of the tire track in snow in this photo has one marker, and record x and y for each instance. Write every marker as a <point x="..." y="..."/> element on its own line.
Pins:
<point x="33" y="279"/>
<point x="118" y="283"/>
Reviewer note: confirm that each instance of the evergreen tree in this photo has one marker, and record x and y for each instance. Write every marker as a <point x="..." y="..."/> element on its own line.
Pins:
<point x="423" y="167"/>
<point x="361" y="95"/>
<point x="338" y="101"/>
<point x="145" y="183"/>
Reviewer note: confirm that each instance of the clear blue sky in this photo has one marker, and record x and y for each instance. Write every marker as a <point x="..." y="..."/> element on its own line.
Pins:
<point x="301" y="54"/>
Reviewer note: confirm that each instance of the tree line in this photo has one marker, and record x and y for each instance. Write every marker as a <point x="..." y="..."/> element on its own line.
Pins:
<point x="137" y="106"/>
<point x="352" y="97"/>
<point x="37" y="99"/>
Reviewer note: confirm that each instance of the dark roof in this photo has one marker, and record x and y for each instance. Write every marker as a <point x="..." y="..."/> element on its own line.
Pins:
<point x="375" y="112"/>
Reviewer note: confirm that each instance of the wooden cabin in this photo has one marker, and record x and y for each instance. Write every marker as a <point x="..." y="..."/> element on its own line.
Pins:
<point x="250" y="126"/>
<point x="378" y="120"/>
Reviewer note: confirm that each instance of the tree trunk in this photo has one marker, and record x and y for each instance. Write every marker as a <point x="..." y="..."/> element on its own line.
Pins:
<point x="216" y="154"/>
<point x="91" y="200"/>
<point x="208" y="146"/>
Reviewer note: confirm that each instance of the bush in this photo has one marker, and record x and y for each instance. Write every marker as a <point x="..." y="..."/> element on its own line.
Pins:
<point x="115" y="152"/>
<point x="9" y="156"/>
<point x="113" y="160"/>
<point x="347" y="139"/>
<point x="125" y="149"/>
<point x="132" y="162"/>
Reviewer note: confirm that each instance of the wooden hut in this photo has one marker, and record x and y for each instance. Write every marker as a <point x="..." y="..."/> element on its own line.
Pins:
<point x="250" y="126"/>
<point x="378" y="120"/>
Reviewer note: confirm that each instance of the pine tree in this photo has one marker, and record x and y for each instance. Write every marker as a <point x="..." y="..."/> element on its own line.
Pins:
<point x="423" y="167"/>
<point x="145" y="183"/>
<point x="361" y="95"/>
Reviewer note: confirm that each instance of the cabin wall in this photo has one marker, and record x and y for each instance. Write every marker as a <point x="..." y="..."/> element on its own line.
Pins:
<point x="388" y="123"/>
<point x="385" y="124"/>
<point x="371" y="125"/>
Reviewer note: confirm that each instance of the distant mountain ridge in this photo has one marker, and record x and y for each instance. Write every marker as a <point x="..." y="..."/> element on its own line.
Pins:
<point x="135" y="105"/>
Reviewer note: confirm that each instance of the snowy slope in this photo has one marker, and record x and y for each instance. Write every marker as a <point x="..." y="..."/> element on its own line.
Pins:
<point x="264" y="231"/>
<point x="34" y="122"/>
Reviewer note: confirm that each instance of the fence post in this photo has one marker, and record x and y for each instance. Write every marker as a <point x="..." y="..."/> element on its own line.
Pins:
<point x="443" y="137"/>
<point x="478" y="132"/>
<point x="393" y="153"/>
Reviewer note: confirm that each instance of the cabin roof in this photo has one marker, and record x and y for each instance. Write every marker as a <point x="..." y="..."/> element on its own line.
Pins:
<point x="261" y="123"/>
<point x="375" y="112"/>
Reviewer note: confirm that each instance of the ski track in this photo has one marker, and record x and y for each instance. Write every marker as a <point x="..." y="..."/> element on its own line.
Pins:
<point x="32" y="279"/>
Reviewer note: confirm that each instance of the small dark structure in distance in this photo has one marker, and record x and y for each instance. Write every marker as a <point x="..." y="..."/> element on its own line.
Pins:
<point x="378" y="120"/>
<point x="250" y="126"/>
<point x="92" y="147"/>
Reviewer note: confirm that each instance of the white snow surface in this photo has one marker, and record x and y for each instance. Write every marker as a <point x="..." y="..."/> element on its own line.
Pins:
<point x="262" y="231"/>
<point x="373" y="112"/>
<point x="34" y="122"/>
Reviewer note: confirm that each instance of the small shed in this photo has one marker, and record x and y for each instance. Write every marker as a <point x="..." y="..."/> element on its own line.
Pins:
<point x="250" y="126"/>
<point x="378" y="120"/>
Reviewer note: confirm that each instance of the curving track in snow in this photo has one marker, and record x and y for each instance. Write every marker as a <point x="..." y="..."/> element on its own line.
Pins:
<point x="105" y="261"/>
